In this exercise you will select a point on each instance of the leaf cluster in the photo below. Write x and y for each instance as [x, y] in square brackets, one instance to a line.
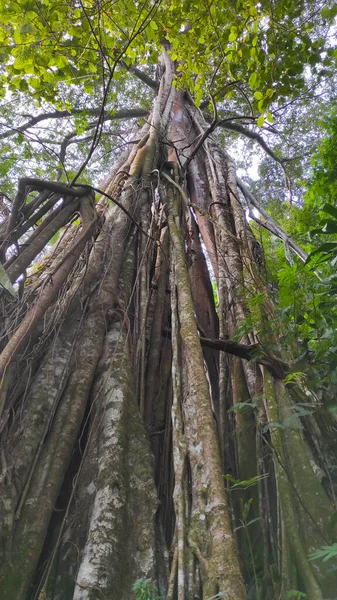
[45, 45]
[306, 294]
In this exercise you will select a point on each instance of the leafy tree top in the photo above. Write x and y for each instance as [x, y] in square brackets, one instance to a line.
[45, 44]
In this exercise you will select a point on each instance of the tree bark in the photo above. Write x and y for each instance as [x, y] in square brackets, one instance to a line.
[128, 455]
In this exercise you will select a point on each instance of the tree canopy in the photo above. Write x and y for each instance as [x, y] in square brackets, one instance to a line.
[240, 60]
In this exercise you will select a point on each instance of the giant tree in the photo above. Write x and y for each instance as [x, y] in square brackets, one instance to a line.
[150, 429]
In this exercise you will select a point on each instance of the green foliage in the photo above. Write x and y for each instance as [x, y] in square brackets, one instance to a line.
[243, 484]
[295, 377]
[60, 56]
[306, 294]
[292, 420]
[215, 293]
[328, 250]
[144, 589]
[243, 327]
[322, 189]
[325, 553]
[307, 320]
[295, 595]
[46, 45]
[244, 406]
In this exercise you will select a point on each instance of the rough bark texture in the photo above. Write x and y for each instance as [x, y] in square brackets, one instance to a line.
[131, 448]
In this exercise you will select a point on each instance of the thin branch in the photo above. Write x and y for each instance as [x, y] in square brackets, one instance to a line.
[98, 130]
[259, 139]
[217, 93]
[269, 223]
[97, 40]
[226, 124]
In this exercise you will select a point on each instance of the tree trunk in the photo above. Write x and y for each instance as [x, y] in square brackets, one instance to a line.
[124, 437]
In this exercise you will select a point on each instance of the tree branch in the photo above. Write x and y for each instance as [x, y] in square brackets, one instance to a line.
[141, 76]
[228, 124]
[278, 367]
[26, 183]
[61, 114]
[253, 136]
[269, 223]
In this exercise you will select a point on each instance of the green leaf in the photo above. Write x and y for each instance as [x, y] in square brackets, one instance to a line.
[245, 483]
[60, 61]
[27, 28]
[330, 226]
[153, 25]
[325, 553]
[19, 63]
[254, 80]
[325, 13]
[258, 95]
[330, 210]
[260, 121]
[260, 105]
[294, 377]
[241, 407]
[6, 283]
[326, 247]
[29, 69]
